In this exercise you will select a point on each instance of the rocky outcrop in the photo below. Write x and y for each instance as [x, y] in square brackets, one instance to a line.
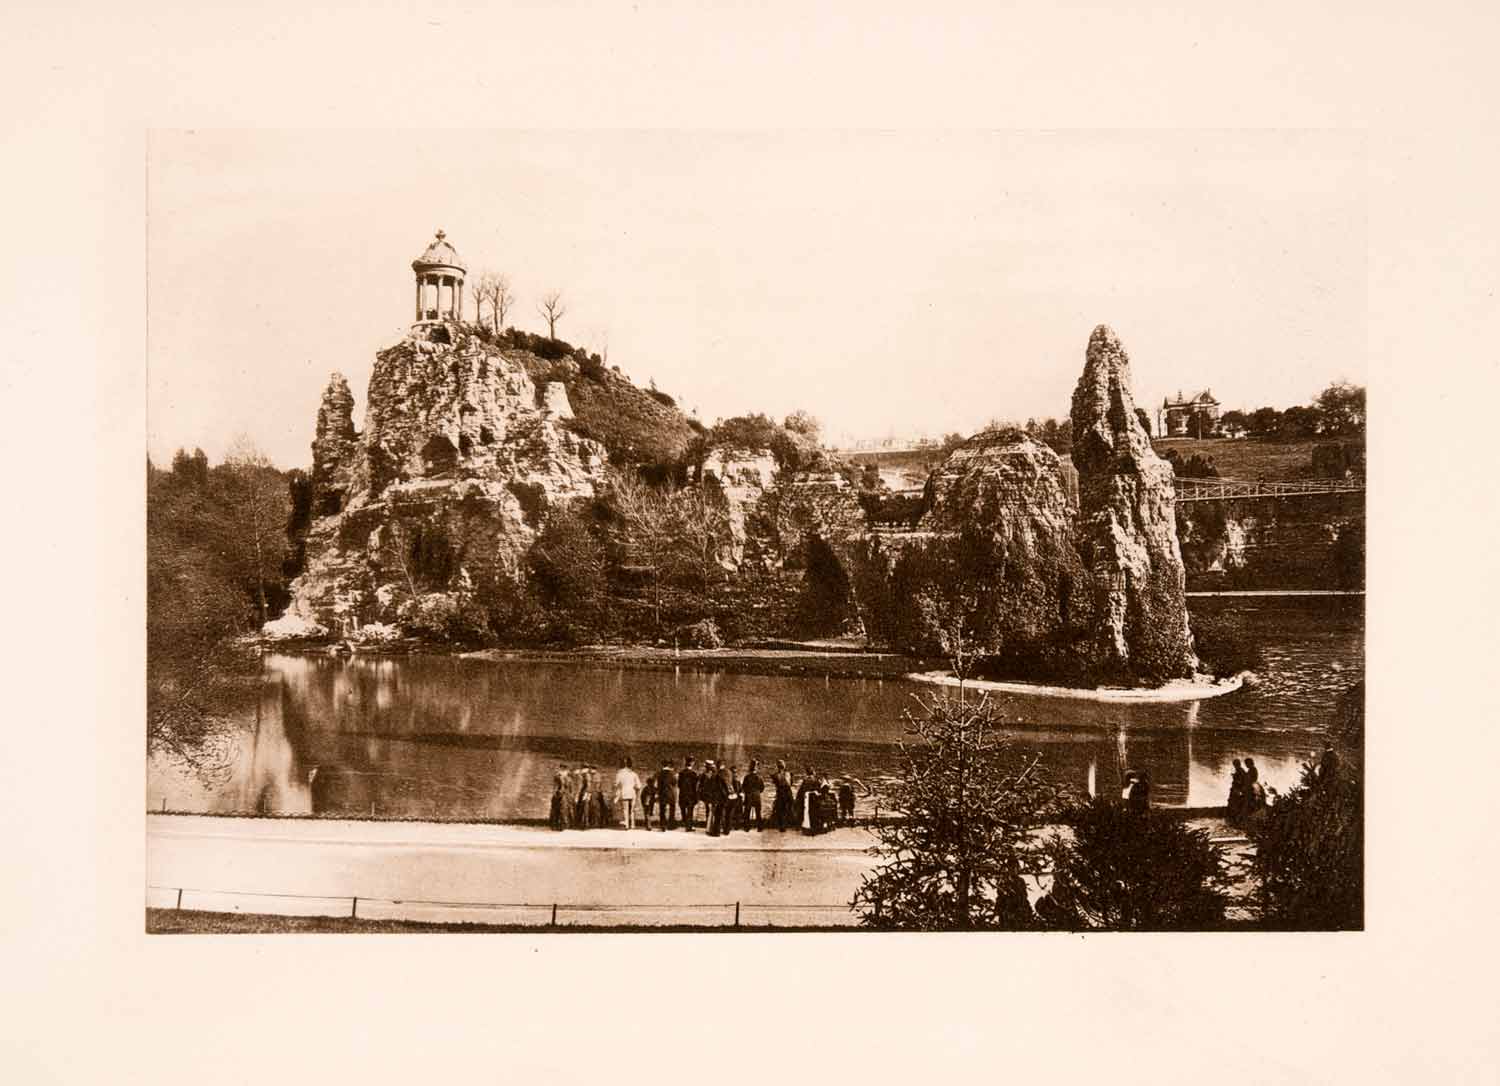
[791, 532]
[333, 448]
[459, 461]
[992, 569]
[1127, 534]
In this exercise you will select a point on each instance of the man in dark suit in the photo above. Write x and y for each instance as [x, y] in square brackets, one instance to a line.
[709, 789]
[687, 792]
[752, 788]
[666, 796]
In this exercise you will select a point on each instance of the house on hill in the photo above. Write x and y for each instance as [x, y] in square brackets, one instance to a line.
[1196, 417]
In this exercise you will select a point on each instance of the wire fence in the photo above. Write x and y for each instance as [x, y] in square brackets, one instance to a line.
[733, 914]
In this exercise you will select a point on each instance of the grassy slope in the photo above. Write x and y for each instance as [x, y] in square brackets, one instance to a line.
[634, 426]
[1246, 458]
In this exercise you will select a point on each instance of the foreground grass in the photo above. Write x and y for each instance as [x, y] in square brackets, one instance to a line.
[192, 922]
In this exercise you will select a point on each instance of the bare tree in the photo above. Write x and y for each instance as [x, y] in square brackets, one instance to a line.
[261, 505]
[501, 300]
[647, 532]
[493, 288]
[552, 310]
[702, 517]
[482, 287]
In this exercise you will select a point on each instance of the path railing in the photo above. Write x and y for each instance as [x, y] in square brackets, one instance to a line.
[555, 914]
[1214, 490]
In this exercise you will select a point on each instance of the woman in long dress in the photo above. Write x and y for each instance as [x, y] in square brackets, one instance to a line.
[555, 813]
[582, 806]
[602, 814]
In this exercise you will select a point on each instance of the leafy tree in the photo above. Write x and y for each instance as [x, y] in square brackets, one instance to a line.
[1309, 844]
[951, 442]
[1265, 421]
[967, 804]
[1299, 423]
[1120, 870]
[569, 568]
[191, 469]
[804, 425]
[259, 503]
[1235, 420]
[1342, 408]
[197, 604]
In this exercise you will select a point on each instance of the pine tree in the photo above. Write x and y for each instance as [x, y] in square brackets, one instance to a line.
[967, 806]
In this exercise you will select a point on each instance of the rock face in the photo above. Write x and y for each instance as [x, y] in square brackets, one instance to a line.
[460, 459]
[992, 569]
[334, 447]
[1127, 533]
[791, 534]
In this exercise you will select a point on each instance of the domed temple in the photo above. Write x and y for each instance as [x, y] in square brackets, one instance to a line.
[440, 282]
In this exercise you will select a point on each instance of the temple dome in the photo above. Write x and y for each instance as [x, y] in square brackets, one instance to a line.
[440, 254]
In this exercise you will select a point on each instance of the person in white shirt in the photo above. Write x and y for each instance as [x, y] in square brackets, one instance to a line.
[627, 785]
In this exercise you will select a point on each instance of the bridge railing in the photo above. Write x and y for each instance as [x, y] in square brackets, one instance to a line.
[1195, 489]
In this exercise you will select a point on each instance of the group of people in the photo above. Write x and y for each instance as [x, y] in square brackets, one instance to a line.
[1246, 794]
[674, 796]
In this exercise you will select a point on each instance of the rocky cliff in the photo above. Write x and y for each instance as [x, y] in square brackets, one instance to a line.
[460, 458]
[334, 447]
[992, 569]
[1127, 533]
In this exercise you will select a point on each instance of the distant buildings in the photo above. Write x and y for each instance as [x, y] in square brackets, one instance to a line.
[1196, 417]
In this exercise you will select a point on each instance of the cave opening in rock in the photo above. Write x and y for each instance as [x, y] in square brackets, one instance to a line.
[438, 456]
[826, 605]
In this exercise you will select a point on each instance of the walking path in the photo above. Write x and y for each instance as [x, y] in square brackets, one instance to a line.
[515, 875]
[501, 874]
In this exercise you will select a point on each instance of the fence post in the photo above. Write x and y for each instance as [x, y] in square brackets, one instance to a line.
[554, 916]
[736, 914]
[179, 899]
[353, 908]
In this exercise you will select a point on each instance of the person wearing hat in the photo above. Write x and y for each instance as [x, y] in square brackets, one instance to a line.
[715, 794]
[752, 787]
[781, 805]
[687, 792]
[666, 795]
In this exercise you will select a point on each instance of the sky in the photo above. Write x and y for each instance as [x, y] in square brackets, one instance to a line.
[891, 283]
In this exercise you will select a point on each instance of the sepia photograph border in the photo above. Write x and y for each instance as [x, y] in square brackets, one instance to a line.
[97, 1000]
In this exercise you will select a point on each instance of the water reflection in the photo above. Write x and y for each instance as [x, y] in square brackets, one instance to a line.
[430, 737]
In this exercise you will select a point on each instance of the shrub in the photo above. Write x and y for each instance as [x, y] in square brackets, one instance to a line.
[1309, 844]
[1122, 870]
[1225, 645]
[703, 634]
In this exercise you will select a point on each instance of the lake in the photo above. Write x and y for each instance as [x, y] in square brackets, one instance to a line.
[452, 738]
